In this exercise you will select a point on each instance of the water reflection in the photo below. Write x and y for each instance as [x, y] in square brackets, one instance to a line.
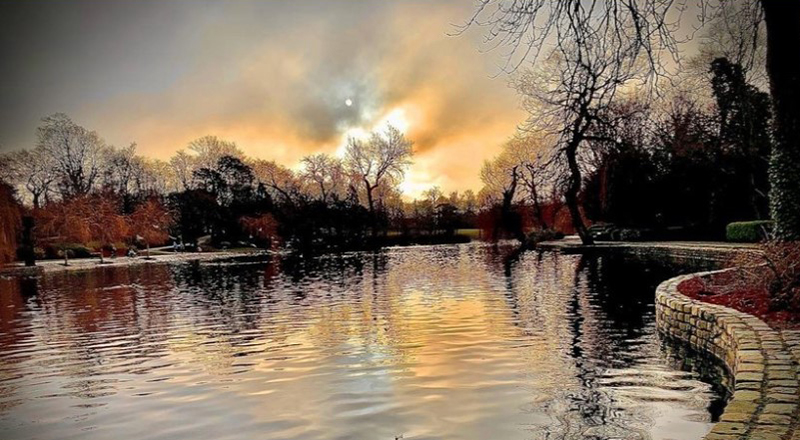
[425, 342]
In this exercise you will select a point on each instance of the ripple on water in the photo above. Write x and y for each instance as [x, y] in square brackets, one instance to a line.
[424, 342]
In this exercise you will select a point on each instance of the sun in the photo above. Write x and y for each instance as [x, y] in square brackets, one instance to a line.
[348, 102]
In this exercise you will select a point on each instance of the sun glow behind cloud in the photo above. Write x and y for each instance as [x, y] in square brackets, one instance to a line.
[276, 78]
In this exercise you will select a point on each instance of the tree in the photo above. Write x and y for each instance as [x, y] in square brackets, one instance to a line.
[121, 170]
[63, 222]
[230, 183]
[183, 166]
[262, 229]
[280, 181]
[744, 119]
[534, 171]
[77, 153]
[150, 223]
[10, 218]
[569, 98]
[632, 37]
[468, 202]
[208, 150]
[196, 212]
[104, 219]
[34, 170]
[783, 53]
[156, 177]
[382, 158]
[326, 175]
[500, 176]
[623, 174]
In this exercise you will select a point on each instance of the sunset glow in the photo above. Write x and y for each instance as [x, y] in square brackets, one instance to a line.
[280, 91]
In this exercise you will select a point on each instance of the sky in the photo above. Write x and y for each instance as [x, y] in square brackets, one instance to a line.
[283, 79]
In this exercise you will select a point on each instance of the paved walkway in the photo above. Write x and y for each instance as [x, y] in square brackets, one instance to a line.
[574, 242]
[720, 252]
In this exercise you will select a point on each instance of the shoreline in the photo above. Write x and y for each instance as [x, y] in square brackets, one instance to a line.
[84, 264]
[763, 362]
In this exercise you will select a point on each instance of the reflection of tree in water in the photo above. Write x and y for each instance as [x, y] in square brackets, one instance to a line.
[606, 306]
[78, 316]
[227, 294]
[593, 407]
[449, 322]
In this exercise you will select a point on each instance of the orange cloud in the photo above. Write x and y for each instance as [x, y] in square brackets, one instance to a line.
[283, 97]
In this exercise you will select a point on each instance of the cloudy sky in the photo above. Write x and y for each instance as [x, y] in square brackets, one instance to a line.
[273, 76]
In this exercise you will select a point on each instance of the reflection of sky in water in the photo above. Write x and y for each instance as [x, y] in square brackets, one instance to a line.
[427, 342]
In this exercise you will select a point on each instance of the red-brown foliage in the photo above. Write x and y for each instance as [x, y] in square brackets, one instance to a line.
[63, 222]
[150, 221]
[732, 289]
[263, 228]
[81, 219]
[10, 215]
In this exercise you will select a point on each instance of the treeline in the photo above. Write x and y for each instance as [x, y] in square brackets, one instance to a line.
[80, 192]
[681, 167]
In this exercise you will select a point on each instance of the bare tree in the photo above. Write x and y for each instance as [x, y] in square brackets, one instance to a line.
[183, 166]
[280, 181]
[76, 152]
[326, 174]
[156, 177]
[500, 176]
[208, 150]
[738, 34]
[381, 158]
[605, 45]
[122, 165]
[568, 101]
[468, 202]
[35, 171]
[536, 172]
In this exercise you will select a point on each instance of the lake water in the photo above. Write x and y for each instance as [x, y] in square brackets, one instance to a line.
[441, 342]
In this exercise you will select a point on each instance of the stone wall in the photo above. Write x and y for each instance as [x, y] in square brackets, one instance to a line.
[762, 362]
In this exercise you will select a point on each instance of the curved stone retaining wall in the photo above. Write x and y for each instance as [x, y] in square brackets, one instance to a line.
[763, 363]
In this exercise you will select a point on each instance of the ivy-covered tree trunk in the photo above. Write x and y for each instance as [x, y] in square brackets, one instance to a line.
[783, 67]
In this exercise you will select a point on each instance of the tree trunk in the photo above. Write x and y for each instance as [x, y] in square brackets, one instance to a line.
[66, 256]
[537, 207]
[371, 204]
[27, 240]
[782, 19]
[571, 195]
[508, 217]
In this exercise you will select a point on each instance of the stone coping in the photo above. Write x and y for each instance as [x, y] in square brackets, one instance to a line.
[763, 362]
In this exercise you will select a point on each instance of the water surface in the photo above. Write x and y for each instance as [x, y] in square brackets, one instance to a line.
[441, 342]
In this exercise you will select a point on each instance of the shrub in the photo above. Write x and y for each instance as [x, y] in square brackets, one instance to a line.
[783, 265]
[776, 268]
[75, 250]
[748, 232]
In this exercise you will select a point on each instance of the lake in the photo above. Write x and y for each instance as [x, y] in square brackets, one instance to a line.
[434, 342]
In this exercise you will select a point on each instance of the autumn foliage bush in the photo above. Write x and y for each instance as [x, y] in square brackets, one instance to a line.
[97, 219]
[263, 229]
[775, 268]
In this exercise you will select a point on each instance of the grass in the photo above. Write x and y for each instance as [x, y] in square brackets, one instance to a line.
[474, 234]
